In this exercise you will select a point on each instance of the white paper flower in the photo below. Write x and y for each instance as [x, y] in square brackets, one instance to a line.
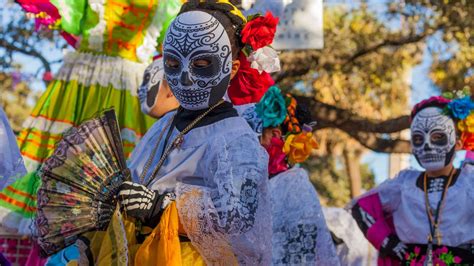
[265, 59]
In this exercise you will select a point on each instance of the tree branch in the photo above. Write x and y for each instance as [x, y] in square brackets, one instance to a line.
[386, 43]
[378, 144]
[365, 130]
[31, 52]
[296, 64]
[331, 116]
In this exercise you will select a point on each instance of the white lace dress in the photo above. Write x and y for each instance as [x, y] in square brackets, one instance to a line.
[300, 234]
[220, 178]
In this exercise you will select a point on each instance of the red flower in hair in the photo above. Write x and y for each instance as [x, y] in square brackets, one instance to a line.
[248, 86]
[277, 161]
[260, 31]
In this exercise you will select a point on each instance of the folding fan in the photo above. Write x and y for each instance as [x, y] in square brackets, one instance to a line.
[80, 183]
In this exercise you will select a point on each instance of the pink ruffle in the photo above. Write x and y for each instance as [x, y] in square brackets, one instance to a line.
[52, 16]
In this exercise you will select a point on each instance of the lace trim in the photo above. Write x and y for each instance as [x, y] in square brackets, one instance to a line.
[46, 125]
[96, 34]
[120, 239]
[191, 206]
[297, 243]
[89, 69]
[58, 127]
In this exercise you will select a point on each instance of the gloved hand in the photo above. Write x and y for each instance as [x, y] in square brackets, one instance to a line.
[392, 246]
[142, 203]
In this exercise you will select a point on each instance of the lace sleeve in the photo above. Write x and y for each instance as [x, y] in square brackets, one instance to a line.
[228, 219]
[300, 233]
[12, 166]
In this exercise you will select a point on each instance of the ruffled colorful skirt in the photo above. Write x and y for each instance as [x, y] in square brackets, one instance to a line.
[85, 85]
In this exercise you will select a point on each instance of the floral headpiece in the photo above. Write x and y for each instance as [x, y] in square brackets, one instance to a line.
[257, 60]
[276, 110]
[457, 105]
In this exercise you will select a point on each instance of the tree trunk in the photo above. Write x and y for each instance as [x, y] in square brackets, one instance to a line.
[353, 171]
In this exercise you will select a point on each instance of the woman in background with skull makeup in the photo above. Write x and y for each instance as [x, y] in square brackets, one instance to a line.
[300, 234]
[203, 162]
[426, 218]
[156, 97]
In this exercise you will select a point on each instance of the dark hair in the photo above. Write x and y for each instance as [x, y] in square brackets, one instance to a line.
[232, 23]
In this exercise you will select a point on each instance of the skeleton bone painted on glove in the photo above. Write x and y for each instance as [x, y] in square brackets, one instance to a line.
[152, 80]
[195, 37]
[433, 138]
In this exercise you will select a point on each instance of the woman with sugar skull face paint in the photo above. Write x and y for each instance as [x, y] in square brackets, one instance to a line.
[203, 161]
[425, 217]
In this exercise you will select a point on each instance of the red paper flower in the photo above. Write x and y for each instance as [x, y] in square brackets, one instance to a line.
[277, 162]
[468, 141]
[248, 86]
[260, 31]
[47, 76]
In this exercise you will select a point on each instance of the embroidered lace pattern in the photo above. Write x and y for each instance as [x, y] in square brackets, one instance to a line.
[229, 219]
[300, 234]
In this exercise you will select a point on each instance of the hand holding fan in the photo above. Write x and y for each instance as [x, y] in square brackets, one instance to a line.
[80, 182]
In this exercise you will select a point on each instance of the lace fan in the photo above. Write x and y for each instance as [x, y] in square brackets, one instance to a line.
[80, 182]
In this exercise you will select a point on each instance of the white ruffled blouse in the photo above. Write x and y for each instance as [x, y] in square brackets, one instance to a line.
[220, 178]
[401, 197]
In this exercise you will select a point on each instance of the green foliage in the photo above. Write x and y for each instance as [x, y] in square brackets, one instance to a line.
[331, 179]
[18, 38]
[16, 100]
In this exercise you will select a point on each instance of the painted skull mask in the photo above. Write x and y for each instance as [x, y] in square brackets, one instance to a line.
[198, 60]
[433, 137]
[148, 91]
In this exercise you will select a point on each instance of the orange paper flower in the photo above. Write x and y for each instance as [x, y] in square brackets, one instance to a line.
[468, 141]
[298, 147]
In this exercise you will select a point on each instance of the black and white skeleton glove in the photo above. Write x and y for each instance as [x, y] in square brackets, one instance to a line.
[392, 246]
[142, 203]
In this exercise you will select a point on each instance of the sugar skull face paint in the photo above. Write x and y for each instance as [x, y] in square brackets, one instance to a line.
[433, 137]
[198, 60]
[148, 91]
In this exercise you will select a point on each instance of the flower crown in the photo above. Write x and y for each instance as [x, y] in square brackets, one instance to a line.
[257, 60]
[275, 110]
[457, 105]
